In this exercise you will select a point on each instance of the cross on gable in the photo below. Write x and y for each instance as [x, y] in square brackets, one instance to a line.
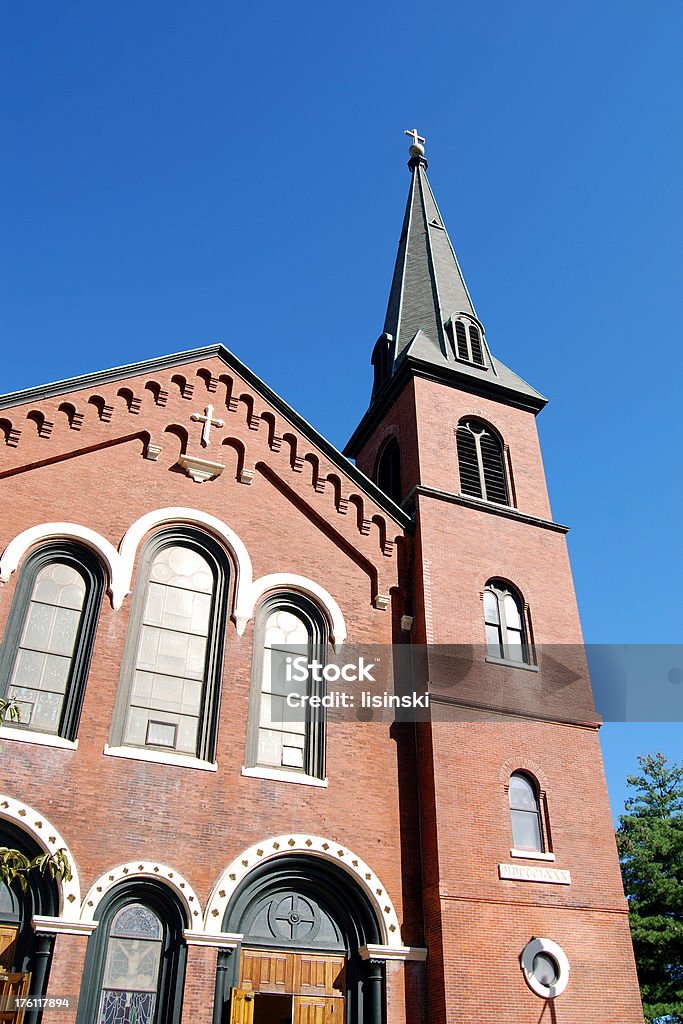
[208, 421]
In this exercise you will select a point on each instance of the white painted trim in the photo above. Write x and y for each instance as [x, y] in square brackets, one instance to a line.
[532, 854]
[280, 775]
[144, 869]
[301, 584]
[43, 739]
[373, 952]
[530, 951]
[315, 846]
[120, 564]
[164, 516]
[161, 757]
[107, 553]
[216, 939]
[49, 840]
[57, 926]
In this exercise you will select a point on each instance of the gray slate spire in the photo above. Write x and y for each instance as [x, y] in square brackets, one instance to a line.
[428, 291]
[428, 285]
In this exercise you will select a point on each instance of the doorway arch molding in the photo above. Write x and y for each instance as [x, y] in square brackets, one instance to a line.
[38, 828]
[314, 846]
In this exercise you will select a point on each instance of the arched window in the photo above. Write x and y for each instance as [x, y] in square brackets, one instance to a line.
[388, 470]
[482, 467]
[290, 635]
[504, 618]
[135, 961]
[525, 813]
[171, 670]
[49, 638]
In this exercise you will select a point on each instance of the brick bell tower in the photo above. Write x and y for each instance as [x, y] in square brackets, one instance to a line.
[524, 913]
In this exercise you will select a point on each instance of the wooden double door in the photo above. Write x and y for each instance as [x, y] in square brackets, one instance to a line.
[12, 983]
[283, 987]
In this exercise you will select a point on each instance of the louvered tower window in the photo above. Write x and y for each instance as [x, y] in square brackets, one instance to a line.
[481, 461]
[466, 342]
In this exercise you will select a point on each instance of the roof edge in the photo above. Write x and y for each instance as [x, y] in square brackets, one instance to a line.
[442, 375]
[252, 379]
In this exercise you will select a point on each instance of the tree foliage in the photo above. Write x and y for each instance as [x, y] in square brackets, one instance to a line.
[650, 843]
[15, 866]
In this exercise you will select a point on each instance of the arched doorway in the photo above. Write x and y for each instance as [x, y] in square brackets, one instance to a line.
[24, 954]
[303, 922]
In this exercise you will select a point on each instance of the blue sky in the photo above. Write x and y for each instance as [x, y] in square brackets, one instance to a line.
[177, 175]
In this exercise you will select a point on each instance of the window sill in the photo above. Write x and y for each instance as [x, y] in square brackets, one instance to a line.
[280, 775]
[511, 664]
[43, 739]
[161, 757]
[532, 854]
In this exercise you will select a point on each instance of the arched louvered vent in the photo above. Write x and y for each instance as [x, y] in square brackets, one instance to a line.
[388, 470]
[470, 474]
[465, 340]
[480, 458]
[461, 339]
[475, 345]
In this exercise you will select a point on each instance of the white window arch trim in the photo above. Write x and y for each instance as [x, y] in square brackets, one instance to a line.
[120, 564]
[34, 535]
[527, 957]
[283, 581]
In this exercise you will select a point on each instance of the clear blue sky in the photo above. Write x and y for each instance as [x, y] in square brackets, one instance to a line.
[177, 175]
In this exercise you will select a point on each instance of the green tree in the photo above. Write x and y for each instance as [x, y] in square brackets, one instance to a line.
[650, 843]
[14, 866]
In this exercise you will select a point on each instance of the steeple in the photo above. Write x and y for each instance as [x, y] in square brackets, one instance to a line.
[431, 324]
[427, 285]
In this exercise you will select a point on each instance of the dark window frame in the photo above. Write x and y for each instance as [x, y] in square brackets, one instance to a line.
[538, 813]
[501, 589]
[315, 743]
[162, 901]
[92, 571]
[479, 478]
[222, 569]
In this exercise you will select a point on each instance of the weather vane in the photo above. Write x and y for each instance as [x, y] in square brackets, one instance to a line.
[417, 149]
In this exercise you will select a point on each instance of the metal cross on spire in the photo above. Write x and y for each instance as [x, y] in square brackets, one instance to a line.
[417, 139]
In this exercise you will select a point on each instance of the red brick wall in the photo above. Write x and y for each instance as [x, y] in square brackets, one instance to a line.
[476, 924]
[300, 515]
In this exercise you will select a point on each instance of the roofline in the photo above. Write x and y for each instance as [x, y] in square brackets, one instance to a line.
[190, 355]
[443, 375]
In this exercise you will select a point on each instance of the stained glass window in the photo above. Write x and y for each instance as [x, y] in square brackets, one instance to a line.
[290, 637]
[43, 665]
[169, 673]
[131, 970]
[281, 741]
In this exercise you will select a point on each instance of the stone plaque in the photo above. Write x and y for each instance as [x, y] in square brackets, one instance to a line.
[524, 873]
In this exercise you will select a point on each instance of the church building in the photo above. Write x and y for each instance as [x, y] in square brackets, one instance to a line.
[170, 531]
